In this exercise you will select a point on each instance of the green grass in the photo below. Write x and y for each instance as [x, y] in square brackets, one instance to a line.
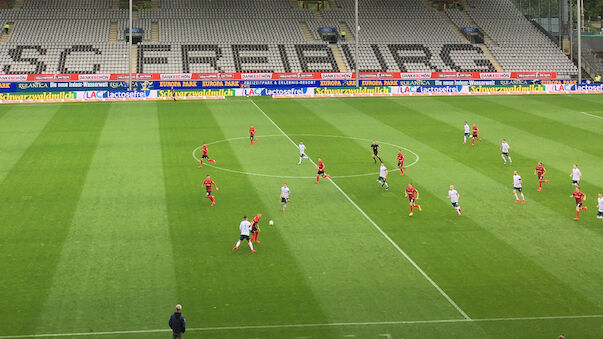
[105, 227]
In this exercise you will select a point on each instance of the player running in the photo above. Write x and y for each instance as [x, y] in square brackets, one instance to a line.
[255, 228]
[517, 183]
[454, 196]
[540, 171]
[467, 130]
[245, 228]
[504, 148]
[252, 135]
[383, 177]
[376, 148]
[600, 203]
[285, 192]
[302, 152]
[208, 183]
[412, 195]
[580, 197]
[400, 158]
[205, 155]
[475, 137]
[321, 170]
[576, 175]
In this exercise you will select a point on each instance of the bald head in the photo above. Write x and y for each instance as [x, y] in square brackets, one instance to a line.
[178, 308]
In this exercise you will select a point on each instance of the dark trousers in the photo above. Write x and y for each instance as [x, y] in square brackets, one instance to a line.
[176, 335]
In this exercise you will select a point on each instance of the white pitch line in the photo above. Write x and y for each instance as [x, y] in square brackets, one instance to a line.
[412, 262]
[592, 115]
[260, 327]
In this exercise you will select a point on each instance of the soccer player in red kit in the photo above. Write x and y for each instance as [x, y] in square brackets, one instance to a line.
[580, 197]
[400, 158]
[321, 170]
[252, 135]
[255, 228]
[208, 183]
[475, 130]
[540, 171]
[412, 195]
[205, 155]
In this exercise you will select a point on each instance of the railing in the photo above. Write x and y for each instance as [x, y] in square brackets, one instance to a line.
[543, 30]
[592, 62]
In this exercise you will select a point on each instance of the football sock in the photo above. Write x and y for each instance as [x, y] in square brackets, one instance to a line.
[212, 160]
[510, 161]
[458, 210]
[522, 197]
[473, 142]
[465, 138]
[386, 185]
[504, 160]
[379, 159]
[284, 207]
[583, 208]
[577, 214]
[250, 245]
[317, 178]
[201, 163]
[375, 160]
[516, 198]
[211, 197]
[540, 183]
[238, 243]
[411, 206]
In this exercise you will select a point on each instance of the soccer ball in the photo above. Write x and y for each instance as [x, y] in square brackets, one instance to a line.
[270, 222]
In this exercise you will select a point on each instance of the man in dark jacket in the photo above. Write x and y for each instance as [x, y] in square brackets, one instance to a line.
[177, 322]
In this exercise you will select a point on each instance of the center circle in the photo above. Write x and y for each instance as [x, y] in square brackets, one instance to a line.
[300, 135]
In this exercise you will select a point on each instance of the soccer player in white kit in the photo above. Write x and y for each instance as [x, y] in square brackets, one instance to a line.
[245, 228]
[576, 175]
[600, 203]
[285, 191]
[517, 182]
[467, 131]
[454, 199]
[383, 177]
[504, 148]
[302, 152]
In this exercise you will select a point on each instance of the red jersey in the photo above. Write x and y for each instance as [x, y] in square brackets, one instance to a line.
[208, 183]
[252, 131]
[321, 166]
[579, 196]
[400, 157]
[204, 149]
[411, 191]
[255, 220]
[475, 129]
[540, 170]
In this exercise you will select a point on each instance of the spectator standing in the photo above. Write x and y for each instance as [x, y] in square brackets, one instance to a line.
[177, 323]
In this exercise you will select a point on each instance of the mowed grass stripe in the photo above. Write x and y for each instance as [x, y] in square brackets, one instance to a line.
[19, 127]
[522, 120]
[219, 287]
[38, 200]
[378, 273]
[117, 256]
[548, 230]
[525, 156]
[566, 109]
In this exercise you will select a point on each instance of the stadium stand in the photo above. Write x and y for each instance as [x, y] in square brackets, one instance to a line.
[62, 36]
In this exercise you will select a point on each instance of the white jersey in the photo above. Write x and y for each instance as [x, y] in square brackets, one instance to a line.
[505, 147]
[454, 196]
[600, 200]
[245, 227]
[302, 148]
[467, 129]
[576, 174]
[517, 180]
[382, 172]
[285, 192]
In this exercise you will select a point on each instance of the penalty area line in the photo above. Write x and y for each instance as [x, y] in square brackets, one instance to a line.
[412, 262]
[592, 115]
[341, 324]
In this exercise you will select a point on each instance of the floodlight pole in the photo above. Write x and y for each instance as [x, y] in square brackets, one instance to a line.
[130, 50]
[356, 40]
[579, 2]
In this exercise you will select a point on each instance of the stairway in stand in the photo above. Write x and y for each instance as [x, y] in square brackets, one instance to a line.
[338, 58]
[306, 30]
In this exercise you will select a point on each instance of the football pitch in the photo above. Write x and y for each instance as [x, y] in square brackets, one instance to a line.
[105, 226]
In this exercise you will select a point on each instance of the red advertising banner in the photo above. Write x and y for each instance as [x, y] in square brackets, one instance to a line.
[281, 76]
